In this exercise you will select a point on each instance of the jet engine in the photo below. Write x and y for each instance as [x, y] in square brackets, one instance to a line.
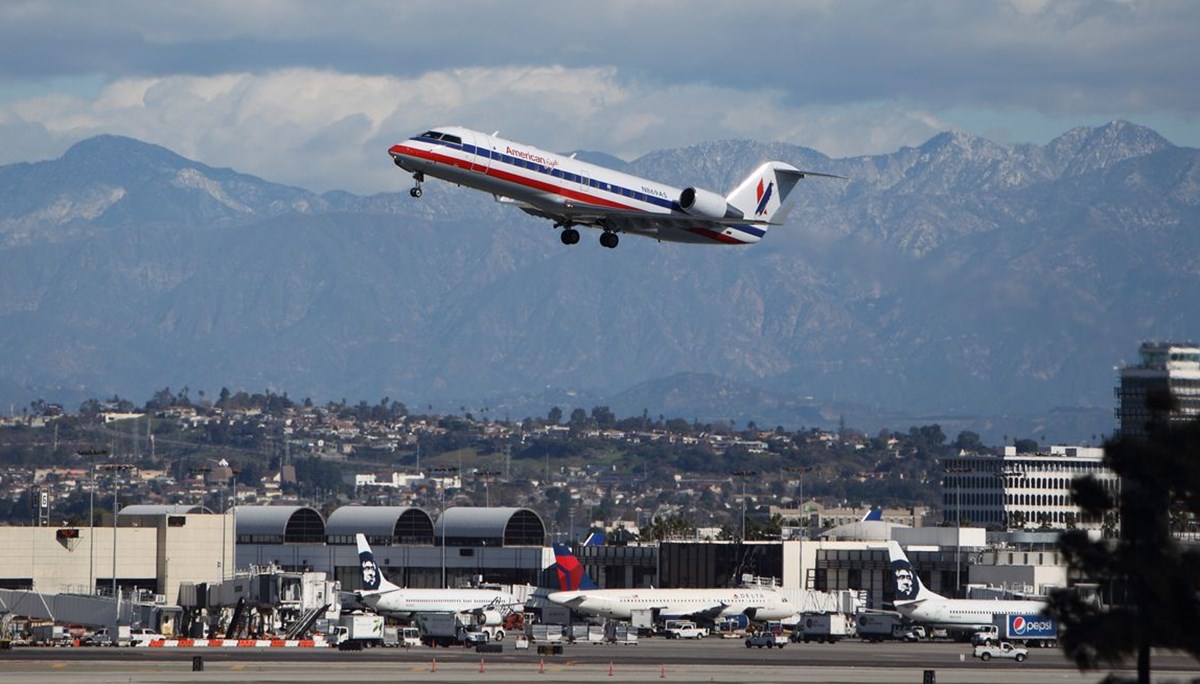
[707, 204]
[489, 617]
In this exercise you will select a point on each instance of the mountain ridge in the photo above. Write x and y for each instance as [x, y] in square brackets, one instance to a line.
[956, 278]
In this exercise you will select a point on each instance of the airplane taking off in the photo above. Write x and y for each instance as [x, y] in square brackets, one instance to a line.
[574, 193]
[915, 601]
[386, 598]
[581, 594]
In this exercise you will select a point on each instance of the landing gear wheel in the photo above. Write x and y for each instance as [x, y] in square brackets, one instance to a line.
[569, 236]
[415, 192]
[419, 178]
[609, 240]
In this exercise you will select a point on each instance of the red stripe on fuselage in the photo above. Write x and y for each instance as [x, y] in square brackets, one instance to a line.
[500, 174]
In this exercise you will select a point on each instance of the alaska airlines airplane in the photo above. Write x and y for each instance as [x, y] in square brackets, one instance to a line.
[582, 594]
[386, 598]
[574, 193]
[914, 601]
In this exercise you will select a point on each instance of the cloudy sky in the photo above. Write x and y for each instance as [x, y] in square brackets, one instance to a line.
[313, 92]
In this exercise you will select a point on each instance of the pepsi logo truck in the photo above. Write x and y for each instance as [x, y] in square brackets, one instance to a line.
[1027, 629]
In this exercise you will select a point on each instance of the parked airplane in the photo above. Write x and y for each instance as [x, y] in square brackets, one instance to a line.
[574, 193]
[580, 593]
[915, 601]
[385, 598]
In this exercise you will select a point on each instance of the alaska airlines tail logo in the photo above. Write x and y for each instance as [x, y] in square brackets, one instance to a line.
[370, 571]
[907, 584]
[763, 197]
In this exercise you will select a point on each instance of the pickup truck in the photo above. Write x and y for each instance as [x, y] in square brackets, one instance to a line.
[1001, 650]
[768, 639]
[684, 629]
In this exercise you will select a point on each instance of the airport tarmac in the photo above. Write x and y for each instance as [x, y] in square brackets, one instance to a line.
[709, 660]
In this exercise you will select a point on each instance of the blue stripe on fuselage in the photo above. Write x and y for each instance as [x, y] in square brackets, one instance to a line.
[563, 175]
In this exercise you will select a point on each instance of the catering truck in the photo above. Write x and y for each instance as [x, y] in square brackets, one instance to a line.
[1019, 628]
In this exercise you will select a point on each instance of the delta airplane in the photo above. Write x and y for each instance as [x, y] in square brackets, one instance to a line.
[916, 602]
[385, 598]
[582, 595]
[574, 193]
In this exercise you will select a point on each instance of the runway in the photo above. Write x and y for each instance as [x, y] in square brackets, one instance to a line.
[709, 660]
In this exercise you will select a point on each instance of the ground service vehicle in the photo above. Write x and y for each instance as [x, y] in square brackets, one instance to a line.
[877, 627]
[49, 635]
[142, 636]
[823, 628]
[763, 638]
[357, 631]
[1023, 629]
[1001, 650]
[684, 629]
[105, 637]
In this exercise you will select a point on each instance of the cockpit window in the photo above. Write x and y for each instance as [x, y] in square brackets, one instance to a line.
[431, 134]
[452, 139]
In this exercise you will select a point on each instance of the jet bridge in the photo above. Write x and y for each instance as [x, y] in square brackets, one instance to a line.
[88, 610]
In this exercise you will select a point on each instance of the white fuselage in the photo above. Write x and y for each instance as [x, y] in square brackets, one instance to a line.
[408, 602]
[551, 183]
[620, 603]
[964, 613]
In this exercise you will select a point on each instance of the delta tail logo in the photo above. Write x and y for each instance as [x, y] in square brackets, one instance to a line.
[764, 196]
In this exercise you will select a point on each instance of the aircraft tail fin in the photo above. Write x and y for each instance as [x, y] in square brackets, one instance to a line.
[906, 585]
[761, 195]
[567, 573]
[873, 513]
[373, 581]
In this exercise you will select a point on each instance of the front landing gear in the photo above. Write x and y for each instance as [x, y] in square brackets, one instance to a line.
[416, 191]
[609, 240]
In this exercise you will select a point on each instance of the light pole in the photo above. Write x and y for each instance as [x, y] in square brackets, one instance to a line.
[744, 474]
[958, 470]
[91, 455]
[487, 475]
[801, 470]
[233, 524]
[443, 470]
[115, 469]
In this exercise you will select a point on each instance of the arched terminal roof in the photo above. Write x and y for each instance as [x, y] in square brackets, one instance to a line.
[470, 526]
[862, 530]
[163, 509]
[383, 525]
[279, 525]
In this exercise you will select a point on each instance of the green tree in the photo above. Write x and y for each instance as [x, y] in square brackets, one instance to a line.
[1152, 580]
[1026, 446]
[968, 441]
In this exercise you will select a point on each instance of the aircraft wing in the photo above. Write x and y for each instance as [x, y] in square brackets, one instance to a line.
[586, 213]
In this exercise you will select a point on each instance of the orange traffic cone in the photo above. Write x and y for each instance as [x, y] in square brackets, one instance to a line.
[542, 666]
[610, 668]
[434, 668]
[662, 672]
[481, 667]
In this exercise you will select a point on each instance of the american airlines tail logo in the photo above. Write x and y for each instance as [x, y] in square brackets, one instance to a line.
[763, 197]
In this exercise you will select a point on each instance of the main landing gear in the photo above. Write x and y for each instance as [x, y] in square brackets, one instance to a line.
[570, 236]
[419, 178]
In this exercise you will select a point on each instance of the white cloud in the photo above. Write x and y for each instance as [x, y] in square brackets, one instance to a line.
[328, 130]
